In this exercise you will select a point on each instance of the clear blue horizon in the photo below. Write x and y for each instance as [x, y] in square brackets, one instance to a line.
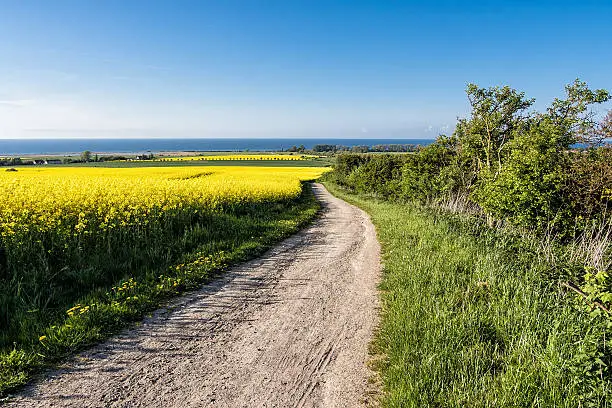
[279, 69]
[20, 147]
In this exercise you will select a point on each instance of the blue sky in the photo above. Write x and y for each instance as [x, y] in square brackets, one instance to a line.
[283, 68]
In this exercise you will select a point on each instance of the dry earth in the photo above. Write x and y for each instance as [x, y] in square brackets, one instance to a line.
[289, 329]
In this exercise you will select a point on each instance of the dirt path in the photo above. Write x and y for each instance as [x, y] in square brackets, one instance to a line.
[290, 329]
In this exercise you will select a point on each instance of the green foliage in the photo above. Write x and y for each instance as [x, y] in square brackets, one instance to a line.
[517, 166]
[377, 174]
[588, 186]
[529, 187]
[528, 190]
[497, 115]
[380, 174]
[597, 286]
[345, 164]
[572, 115]
[86, 156]
[436, 172]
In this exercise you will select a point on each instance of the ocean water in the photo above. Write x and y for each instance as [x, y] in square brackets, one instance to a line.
[68, 146]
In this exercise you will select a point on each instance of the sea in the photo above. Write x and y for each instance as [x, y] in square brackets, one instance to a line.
[71, 146]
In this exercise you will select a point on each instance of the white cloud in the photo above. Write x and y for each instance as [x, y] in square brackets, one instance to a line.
[17, 102]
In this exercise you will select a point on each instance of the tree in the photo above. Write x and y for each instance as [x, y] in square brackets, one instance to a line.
[324, 148]
[528, 189]
[604, 128]
[359, 149]
[532, 188]
[497, 113]
[573, 116]
[86, 156]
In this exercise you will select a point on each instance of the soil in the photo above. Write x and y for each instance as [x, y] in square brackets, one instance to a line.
[289, 329]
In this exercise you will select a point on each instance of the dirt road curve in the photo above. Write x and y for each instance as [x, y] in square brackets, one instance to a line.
[289, 329]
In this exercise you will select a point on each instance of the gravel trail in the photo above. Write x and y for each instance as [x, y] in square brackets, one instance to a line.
[289, 329]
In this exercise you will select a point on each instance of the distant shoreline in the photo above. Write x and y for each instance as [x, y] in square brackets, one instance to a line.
[67, 147]
[161, 154]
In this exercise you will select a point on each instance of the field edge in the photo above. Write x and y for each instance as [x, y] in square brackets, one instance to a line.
[91, 323]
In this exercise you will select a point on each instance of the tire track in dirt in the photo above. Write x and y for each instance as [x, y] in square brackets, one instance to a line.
[289, 329]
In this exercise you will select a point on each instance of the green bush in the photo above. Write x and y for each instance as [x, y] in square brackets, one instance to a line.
[588, 186]
[380, 174]
[436, 172]
[528, 189]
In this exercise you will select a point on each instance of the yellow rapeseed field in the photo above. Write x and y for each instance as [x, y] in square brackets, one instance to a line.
[83, 201]
[238, 157]
[85, 249]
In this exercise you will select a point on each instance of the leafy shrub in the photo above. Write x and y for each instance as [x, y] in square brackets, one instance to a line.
[528, 190]
[345, 164]
[436, 172]
[589, 182]
[380, 174]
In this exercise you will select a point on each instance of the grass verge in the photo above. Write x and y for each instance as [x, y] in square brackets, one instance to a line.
[227, 239]
[473, 317]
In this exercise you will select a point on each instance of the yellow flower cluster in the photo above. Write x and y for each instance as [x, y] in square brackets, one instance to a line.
[82, 201]
[126, 286]
[78, 310]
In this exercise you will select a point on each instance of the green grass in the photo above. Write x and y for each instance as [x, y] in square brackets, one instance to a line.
[80, 319]
[472, 317]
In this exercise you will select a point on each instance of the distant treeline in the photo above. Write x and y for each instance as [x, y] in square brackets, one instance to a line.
[85, 157]
[11, 161]
[388, 148]
[511, 164]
